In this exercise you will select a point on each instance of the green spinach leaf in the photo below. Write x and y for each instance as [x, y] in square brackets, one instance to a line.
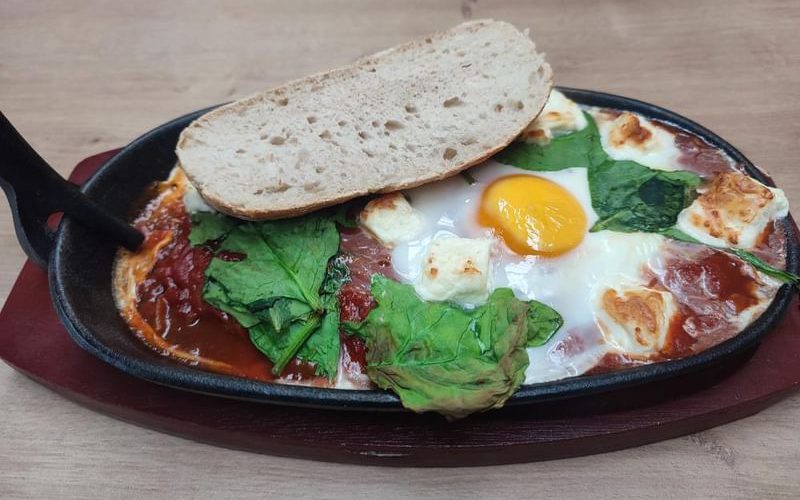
[323, 346]
[210, 226]
[543, 322]
[280, 346]
[277, 291]
[284, 259]
[629, 197]
[677, 234]
[344, 213]
[215, 295]
[577, 149]
[468, 178]
[259, 277]
[440, 357]
[337, 275]
[778, 274]
[303, 248]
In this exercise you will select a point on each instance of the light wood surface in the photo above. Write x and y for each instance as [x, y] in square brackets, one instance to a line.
[81, 77]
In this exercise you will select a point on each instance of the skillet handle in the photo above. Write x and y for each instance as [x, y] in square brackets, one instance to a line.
[35, 191]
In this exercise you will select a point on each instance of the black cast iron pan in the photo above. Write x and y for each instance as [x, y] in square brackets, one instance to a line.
[79, 257]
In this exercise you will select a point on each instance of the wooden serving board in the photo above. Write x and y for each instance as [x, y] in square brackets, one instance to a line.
[33, 341]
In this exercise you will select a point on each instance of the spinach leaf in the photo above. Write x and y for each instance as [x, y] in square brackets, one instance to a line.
[677, 234]
[468, 178]
[277, 292]
[281, 312]
[215, 295]
[782, 276]
[303, 248]
[323, 346]
[343, 214]
[280, 346]
[629, 197]
[293, 330]
[543, 322]
[210, 226]
[337, 275]
[577, 149]
[440, 357]
[259, 277]
[284, 259]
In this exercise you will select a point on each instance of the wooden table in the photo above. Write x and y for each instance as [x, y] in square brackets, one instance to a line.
[82, 77]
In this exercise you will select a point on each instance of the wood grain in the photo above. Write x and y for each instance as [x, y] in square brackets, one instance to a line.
[81, 77]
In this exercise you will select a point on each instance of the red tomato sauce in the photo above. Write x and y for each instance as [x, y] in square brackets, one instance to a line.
[171, 301]
[364, 257]
[696, 154]
[716, 276]
[711, 289]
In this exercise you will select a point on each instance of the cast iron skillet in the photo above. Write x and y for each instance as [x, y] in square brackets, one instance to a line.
[80, 254]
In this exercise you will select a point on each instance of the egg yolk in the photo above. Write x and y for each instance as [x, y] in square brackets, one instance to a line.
[533, 215]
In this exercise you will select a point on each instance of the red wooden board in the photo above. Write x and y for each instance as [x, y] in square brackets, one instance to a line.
[33, 341]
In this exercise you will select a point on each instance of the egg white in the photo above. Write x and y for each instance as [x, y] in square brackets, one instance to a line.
[569, 283]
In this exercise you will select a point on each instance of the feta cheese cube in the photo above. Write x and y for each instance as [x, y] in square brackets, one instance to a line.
[391, 219]
[733, 211]
[635, 320]
[456, 269]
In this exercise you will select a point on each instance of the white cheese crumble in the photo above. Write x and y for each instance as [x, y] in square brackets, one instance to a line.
[560, 116]
[456, 269]
[391, 219]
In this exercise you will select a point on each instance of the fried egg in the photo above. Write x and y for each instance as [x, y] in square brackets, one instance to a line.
[565, 266]
[535, 228]
[533, 215]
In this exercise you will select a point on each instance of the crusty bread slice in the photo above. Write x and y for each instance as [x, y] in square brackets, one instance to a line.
[403, 117]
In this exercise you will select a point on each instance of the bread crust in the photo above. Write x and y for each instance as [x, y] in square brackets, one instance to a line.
[250, 213]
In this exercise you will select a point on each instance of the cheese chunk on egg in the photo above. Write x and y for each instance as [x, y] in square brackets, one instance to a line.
[632, 137]
[391, 219]
[732, 211]
[456, 269]
[635, 320]
[560, 116]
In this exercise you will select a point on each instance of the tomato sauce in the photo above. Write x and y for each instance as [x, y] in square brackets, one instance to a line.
[700, 156]
[771, 246]
[170, 300]
[716, 276]
[364, 257]
[696, 154]
[613, 361]
[712, 288]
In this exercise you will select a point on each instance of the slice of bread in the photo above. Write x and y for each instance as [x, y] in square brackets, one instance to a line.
[403, 117]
